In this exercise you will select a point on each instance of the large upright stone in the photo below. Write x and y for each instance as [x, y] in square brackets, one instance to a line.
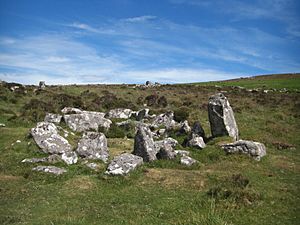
[47, 138]
[144, 144]
[221, 117]
[93, 145]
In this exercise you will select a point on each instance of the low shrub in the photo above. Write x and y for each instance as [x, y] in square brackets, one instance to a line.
[181, 114]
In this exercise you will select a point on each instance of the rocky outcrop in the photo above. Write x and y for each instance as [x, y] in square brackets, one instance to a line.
[50, 169]
[119, 113]
[144, 144]
[221, 117]
[93, 145]
[52, 118]
[123, 164]
[87, 120]
[187, 161]
[47, 138]
[254, 149]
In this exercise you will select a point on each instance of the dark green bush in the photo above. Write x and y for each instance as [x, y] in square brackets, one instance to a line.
[181, 114]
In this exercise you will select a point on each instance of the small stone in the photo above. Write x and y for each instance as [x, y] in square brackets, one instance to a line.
[188, 161]
[50, 169]
[69, 157]
[182, 152]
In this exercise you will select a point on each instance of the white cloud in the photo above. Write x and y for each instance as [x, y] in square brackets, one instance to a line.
[139, 19]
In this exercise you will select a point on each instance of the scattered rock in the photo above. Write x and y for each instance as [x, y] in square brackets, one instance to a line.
[144, 144]
[93, 166]
[93, 145]
[87, 121]
[198, 130]
[2, 125]
[184, 127]
[196, 142]
[221, 117]
[284, 146]
[18, 141]
[166, 119]
[182, 152]
[254, 149]
[123, 164]
[35, 160]
[169, 141]
[47, 138]
[142, 114]
[52, 118]
[119, 113]
[166, 152]
[188, 161]
[69, 157]
[50, 169]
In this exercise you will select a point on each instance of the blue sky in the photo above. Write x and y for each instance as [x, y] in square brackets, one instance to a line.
[131, 41]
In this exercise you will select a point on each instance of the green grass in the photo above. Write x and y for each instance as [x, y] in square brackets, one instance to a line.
[160, 192]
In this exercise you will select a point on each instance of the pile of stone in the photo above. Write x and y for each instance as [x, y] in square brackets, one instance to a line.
[93, 144]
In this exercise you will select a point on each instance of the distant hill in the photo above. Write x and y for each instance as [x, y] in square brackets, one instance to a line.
[289, 81]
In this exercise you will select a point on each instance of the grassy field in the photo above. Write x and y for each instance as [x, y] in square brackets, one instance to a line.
[290, 82]
[222, 189]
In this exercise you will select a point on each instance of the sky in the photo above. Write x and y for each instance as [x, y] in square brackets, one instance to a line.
[132, 41]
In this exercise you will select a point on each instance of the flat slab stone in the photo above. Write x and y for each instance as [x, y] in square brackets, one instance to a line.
[123, 164]
[50, 169]
[254, 149]
[46, 136]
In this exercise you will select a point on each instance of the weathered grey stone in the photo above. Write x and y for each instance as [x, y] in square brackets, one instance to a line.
[35, 160]
[254, 149]
[92, 166]
[93, 145]
[169, 141]
[221, 117]
[52, 118]
[2, 125]
[166, 119]
[47, 138]
[144, 144]
[50, 159]
[142, 114]
[188, 161]
[184, 127]
[119, 113]
[87, 121]
[70, 110]
[166, 152]
[182, 152]
[198, 130]
[196, 142]
[69, 157]
[123, 164]
[50, 169]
